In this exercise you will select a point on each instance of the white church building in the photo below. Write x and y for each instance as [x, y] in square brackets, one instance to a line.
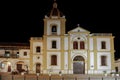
[76, 52]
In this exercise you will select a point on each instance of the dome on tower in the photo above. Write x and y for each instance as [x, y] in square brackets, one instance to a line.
[55, 11]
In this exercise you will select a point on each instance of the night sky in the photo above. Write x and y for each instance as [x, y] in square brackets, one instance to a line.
[21, 20]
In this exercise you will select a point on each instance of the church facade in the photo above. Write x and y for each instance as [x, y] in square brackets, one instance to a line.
[77, 52]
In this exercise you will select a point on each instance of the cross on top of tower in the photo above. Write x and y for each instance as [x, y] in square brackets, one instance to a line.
[78, 25]
[55, 4]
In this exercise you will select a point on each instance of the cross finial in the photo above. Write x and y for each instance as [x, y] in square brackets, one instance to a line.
[78, 25]
[55, 4]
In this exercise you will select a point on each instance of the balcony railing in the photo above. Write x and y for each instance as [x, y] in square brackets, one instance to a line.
[9, 56]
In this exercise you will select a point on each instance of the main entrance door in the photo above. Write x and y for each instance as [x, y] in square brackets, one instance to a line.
[78, 65]
[38, 68]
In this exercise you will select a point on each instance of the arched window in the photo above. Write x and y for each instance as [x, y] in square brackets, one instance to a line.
[54, 28]
[75, 45]
[82, 45]
[2, 65]
[78, 58]
[53, 60]
[38, 49]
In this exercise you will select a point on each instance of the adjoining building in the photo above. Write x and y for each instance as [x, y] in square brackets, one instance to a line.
[117, 65]
[13, 56]
[76, 52]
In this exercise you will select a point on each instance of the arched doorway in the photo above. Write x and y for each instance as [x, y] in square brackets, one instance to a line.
[38, 67]
[19, 67]
[78, 65]
[6, 66]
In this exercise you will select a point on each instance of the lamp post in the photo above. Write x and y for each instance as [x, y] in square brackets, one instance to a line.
[66, 68]
[92, 67]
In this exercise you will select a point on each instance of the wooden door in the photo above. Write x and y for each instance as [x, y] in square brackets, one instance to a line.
[9, 68]
[78, 67]
[19, 67]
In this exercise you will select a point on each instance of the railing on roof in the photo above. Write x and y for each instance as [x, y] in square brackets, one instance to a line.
[36, 38]
[102, 34]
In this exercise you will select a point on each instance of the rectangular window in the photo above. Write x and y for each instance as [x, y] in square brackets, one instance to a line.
[38, 49]
[54, 44]
[75, 45]
[82, 45]
[103, 45]
[53, 60]
[7, 54]
[25, 53]
[103, 60]
[116, 69]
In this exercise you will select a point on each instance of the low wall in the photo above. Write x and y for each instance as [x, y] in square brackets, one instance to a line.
[56, 77]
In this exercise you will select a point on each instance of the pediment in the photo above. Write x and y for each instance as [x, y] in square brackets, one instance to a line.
[79, 29]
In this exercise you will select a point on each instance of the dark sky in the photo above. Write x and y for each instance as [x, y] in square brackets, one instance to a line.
[21, 20]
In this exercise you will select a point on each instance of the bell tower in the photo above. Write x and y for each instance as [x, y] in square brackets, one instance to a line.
[54, 31]
[54, 22]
